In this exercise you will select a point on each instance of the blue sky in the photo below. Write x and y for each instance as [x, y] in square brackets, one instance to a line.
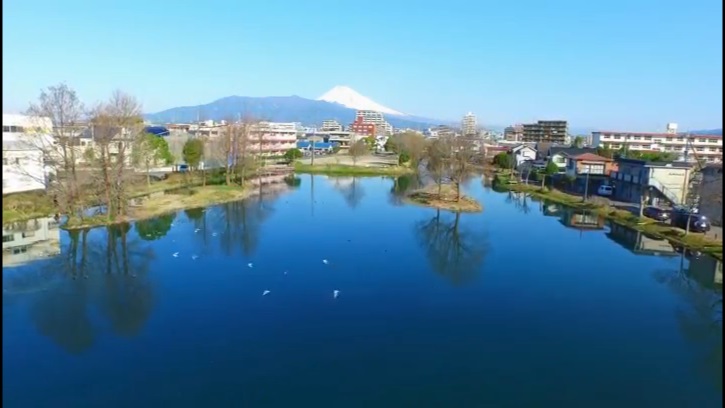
[617, 64]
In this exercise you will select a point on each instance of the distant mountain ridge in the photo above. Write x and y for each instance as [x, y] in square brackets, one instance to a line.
[714, 132]
[279, 109]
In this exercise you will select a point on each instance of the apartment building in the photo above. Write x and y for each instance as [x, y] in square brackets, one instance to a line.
[273, 138]
[554, 131]
[469, 125]
[25, 139]
[331, 126]
[514, 133]
[661, 183]
[382, 128]
[687, 147]
[361, 128]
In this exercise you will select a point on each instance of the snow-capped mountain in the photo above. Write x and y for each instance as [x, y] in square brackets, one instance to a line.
[350, 98]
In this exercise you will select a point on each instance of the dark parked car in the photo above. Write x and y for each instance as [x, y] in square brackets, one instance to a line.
[658, 214]
[698, 223]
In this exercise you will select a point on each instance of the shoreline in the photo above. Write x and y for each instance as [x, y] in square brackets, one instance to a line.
[692, 241]
[429, 197]
[166, 203]
[351, 170]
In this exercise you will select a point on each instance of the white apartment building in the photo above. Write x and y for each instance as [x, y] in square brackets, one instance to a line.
[29, 240]
[469, 125]
[24, 139]
[704, 147]
[273, 138]
[331, 126]
[382, 127]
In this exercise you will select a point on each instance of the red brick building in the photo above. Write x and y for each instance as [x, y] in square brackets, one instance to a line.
[367, 129]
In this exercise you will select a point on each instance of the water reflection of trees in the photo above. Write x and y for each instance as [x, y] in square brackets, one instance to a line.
[402, 186]
[700, 317]
[155, 228]
[351, 189]
[521, 201]
[453, 251]
[104, 268]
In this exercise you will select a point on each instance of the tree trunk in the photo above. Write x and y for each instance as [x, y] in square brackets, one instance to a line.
[148, 174]
[106, 182]
[543, 180]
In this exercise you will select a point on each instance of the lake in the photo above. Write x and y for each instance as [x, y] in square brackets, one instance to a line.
[333, 292]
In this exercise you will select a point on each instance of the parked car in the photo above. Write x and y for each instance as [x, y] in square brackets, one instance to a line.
[605, 190]
[658, 214]
[698, 223]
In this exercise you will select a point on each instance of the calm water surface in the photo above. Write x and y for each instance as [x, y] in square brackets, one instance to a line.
[525, 304]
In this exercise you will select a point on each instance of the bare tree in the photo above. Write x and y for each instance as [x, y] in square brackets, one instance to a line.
[438, 159]
[462, 157]
[357, 150]
[116, 124]
[413, 144]
[58, 143]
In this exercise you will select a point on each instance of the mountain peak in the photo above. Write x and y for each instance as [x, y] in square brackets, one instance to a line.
[348, 97]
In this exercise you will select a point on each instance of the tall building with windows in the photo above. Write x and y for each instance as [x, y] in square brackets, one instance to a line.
[514, 133]
[331, 126]
[469, 125]
[382, 127]
[552, 131]
[688, 147]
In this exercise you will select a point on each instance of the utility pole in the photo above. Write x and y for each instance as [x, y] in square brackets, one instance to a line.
[586, 184]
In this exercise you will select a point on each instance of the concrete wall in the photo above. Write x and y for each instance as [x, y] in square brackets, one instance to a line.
[22, 171]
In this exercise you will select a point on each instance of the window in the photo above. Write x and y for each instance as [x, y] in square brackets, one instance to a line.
[20, 250]
[8, 238]
[28, 234]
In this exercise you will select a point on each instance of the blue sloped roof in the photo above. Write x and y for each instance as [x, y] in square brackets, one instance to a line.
[156, 130]
[303, 144]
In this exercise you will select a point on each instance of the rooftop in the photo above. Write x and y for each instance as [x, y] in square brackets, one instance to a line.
[591, 157]
[681, 165]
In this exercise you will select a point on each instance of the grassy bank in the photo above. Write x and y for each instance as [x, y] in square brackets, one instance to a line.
[166, 202]
[38, 204]
[348, 170]
[446, 200]
[692, 241]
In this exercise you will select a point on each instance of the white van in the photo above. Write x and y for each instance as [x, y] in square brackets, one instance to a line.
[605, 191]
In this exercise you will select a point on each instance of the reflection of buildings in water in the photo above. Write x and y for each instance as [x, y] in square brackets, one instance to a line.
[270, 184]
[706, 270]
[551, 210]
[26, 241]
[640, 243]
[582, 220]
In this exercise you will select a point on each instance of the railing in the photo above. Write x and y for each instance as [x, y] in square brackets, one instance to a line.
[670, 195]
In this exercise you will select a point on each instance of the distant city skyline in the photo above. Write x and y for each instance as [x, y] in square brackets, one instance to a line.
[617, 65]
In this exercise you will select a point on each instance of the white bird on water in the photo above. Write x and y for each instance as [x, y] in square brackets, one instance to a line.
[197, 230]
[213, 234]
[335, 294]
[194, 257]
[285, 272]
[251, 265]
[325, 261]
[265, 293]
[175, 254]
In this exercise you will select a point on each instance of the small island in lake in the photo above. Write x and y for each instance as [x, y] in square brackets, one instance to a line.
[444, 197]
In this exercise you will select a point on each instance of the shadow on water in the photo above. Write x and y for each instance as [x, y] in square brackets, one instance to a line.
[453, 250]
[103, 269]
